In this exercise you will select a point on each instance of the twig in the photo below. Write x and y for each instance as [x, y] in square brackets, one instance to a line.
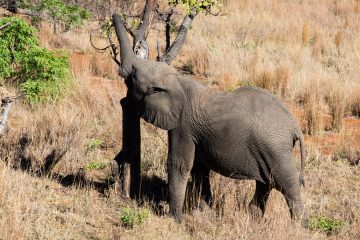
[101, 50]
[5, 25]
[113, 48]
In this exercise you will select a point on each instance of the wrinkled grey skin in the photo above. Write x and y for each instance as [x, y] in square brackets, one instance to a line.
[244, 134]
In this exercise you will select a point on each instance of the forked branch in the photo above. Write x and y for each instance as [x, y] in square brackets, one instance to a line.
[177, 44]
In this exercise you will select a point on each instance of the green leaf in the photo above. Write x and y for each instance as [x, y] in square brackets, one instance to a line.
[197, 5]
[326, 224]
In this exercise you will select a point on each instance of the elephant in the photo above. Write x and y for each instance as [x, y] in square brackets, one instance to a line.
[244, 134]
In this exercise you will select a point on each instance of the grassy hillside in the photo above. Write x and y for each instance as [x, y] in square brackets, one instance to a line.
[307, 52]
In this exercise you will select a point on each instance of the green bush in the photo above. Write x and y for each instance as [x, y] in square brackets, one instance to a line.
[46, 74]
[96, 165]
[40, 74]
[130, 217]
[326, 224]
[68, 16]
[93, 144]
[15, 40]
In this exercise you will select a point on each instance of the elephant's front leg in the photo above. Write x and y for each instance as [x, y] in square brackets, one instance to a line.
[180, 162]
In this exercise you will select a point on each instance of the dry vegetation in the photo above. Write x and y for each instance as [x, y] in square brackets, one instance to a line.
[306, 52]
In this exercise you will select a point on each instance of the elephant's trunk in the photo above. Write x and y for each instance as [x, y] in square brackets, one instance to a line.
[126, 54]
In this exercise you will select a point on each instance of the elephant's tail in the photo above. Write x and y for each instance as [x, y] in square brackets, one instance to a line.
[302, 153]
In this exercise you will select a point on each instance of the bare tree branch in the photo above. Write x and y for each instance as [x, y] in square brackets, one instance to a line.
[141, 33]
[176, 46]
[112, 46]
[166, 17]
[102, 50]
[114, 51]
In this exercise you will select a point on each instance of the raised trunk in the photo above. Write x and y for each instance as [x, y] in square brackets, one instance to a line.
[126, 54]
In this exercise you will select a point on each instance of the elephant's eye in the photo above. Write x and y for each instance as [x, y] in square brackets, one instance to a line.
[154, 90]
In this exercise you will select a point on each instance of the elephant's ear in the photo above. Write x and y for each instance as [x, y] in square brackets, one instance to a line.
[162, 106]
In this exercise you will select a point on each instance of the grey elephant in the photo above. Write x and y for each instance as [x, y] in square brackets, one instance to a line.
[245, 134]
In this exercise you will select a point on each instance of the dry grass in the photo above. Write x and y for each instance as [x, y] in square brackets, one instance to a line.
[274, 81]
[312, 109]
[336, 102]
[40, 208]
[306, 52]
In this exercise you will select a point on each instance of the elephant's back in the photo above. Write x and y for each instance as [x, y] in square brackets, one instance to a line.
[264, 105]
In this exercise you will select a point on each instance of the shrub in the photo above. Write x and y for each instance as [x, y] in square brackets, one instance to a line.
[336, 101]
[326, 224]
[68, 16]
[312, 112]
[274, 81]
[93, 144]
[40, 74]
[44, 74]
[15, 40]
[353, 106]
[346, 152]
[96, 165]
[131, 217]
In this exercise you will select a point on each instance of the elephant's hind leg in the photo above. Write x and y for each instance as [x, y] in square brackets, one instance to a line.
[287, 182]
[201, 182]
[293, 199]
[258, 202]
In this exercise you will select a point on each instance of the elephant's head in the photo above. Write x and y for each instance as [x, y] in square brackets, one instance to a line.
[154, 86]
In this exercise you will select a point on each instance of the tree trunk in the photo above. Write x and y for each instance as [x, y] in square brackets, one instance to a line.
[129, 157]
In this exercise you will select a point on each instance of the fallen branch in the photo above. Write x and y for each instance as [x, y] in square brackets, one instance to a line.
[5, 25]
[5, 105]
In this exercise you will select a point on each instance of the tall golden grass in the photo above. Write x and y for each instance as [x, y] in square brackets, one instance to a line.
[307, 52]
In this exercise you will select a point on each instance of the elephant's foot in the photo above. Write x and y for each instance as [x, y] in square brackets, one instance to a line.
[178, 215]
[122, 178]
[115, 173]
[305, 222]
[298, 214]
